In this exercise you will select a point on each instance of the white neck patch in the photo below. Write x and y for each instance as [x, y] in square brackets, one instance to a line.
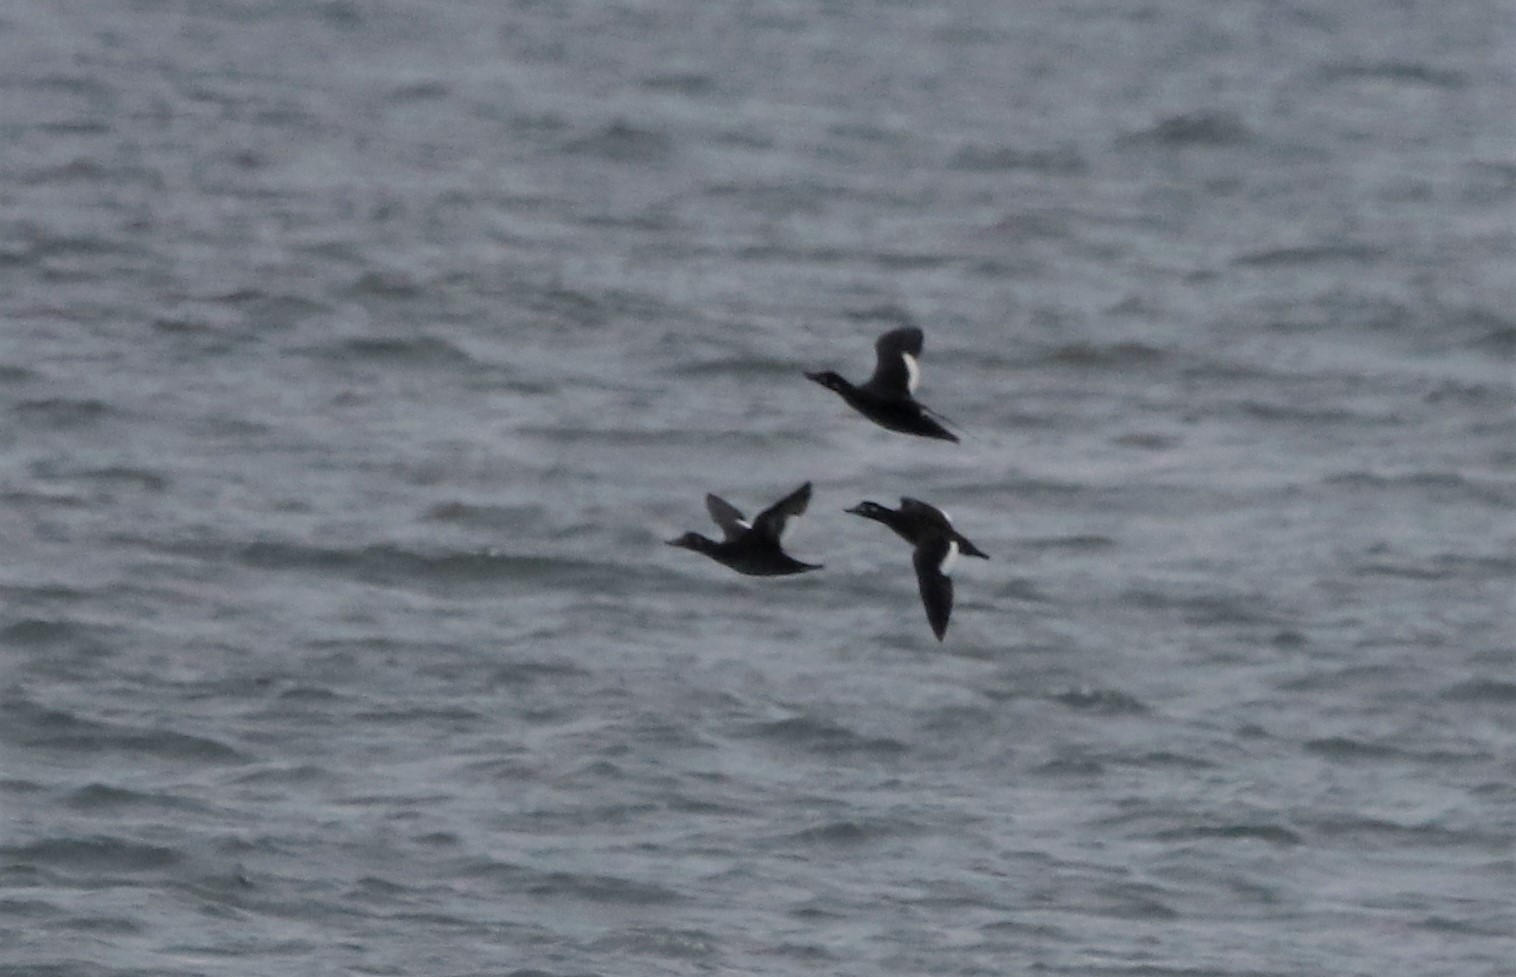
[912, 372]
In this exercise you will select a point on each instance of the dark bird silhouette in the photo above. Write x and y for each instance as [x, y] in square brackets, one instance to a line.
[752, 548]
[937, 546]
[887, 398]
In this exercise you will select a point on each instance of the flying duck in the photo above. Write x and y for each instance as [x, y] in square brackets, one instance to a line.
[886, 398]
[753, 547]
[938, 546]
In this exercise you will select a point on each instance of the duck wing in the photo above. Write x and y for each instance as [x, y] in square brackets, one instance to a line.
[897, 369]
[933, 560]
[773, 521]
[727, 516]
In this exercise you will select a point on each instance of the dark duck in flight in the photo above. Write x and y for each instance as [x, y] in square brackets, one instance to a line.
[887, 398]
[753, 547]
[937, 546]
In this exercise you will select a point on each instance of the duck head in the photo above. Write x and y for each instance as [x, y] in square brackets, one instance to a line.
[871, 510]
[830, 380]
[691, 541]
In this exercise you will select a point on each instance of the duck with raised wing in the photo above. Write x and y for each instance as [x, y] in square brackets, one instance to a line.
[937, 546]
[753, 548]
[888, 397]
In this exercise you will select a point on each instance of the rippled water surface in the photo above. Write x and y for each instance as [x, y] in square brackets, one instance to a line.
[356, 359]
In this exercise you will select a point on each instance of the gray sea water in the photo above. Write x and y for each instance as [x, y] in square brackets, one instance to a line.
[357, 358]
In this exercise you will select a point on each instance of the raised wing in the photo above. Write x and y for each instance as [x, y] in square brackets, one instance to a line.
[933, 559]
[772, 522]
[727, 516]
[898, 369]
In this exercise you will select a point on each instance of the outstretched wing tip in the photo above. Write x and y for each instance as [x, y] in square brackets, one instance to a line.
[936, 586]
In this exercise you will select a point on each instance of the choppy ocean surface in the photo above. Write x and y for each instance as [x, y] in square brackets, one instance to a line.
[356, 359]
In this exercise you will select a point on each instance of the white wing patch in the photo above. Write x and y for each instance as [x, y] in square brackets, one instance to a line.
[912, 372]
[949, 558]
